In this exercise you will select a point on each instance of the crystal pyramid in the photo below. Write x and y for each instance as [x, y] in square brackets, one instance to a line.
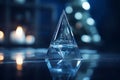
[63, 44]
[63, 53]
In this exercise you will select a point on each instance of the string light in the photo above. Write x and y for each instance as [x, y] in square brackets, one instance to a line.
[86, 38]
[86, 5]
[90, 21]
[69, 9]
[78, 15]
[96, 38]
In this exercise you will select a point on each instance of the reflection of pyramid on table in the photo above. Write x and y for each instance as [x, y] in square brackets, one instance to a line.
[63, 44]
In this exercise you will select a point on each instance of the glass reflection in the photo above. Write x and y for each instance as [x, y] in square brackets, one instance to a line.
[1, 58]
[63, 69]
[19, 61]
[30, 53]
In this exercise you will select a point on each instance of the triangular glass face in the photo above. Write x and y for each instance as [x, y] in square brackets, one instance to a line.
[63, 44]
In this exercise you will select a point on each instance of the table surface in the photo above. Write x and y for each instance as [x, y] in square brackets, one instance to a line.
[95, 65]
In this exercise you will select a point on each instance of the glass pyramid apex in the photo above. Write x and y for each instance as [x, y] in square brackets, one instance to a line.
[63, 44]
[63, 32]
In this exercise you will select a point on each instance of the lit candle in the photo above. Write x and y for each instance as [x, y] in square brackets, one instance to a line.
[1, 36]
[18, 36]
[30, 39]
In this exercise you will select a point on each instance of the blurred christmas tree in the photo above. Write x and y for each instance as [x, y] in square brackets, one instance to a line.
[82, 22]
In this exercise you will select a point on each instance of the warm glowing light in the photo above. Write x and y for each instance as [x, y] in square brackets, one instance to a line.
[18, 36]
[1, 35]
[19, 67]
[69, 9]
[19, 60]
[1, 57]
[19, 57]
[78, 15]
[30, 39]
[86, 5]
[19, 30]
[78, 25]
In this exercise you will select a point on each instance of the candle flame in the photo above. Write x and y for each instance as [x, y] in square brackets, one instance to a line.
[19, 30]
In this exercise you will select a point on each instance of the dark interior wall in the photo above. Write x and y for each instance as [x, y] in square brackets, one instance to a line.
[105, 12]
[107, 16]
